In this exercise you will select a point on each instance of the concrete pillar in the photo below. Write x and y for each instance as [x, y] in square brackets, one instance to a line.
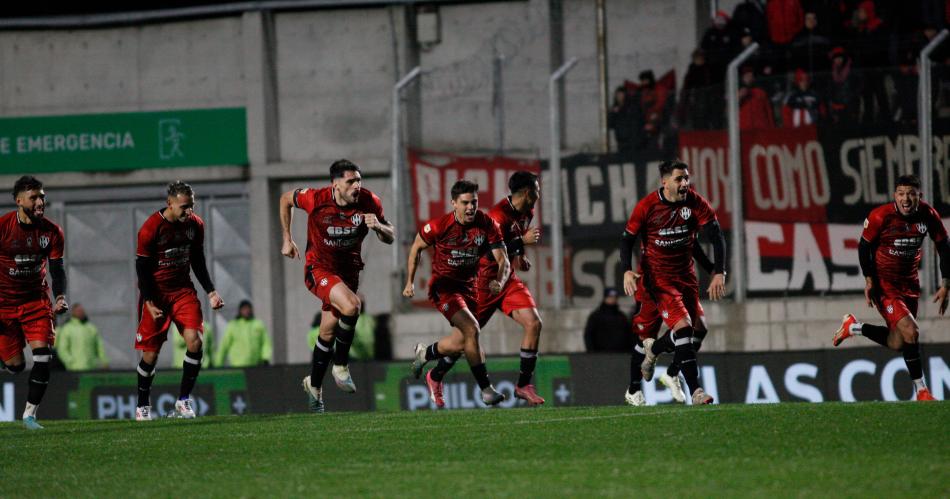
[556, 53]
[263, 147]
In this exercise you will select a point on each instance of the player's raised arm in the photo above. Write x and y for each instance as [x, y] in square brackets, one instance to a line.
[385, 231]
[717, 287]
[287, 204]
[415, 253]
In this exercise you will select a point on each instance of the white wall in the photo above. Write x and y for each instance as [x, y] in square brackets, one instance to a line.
[335, 72]
[195, 64]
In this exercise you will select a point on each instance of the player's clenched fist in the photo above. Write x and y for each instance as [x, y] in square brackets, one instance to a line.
[215, 300]
[532, 236]
[289, 249]
[154, 311]
[61, 305]
[494, 287]
[371, 221]
[409, 290]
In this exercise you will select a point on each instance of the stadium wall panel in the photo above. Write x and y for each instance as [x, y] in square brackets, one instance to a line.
[857, 374]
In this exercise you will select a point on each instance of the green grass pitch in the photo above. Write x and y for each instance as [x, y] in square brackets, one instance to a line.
[828, 450]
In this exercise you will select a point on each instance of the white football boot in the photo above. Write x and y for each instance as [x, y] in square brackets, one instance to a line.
[676, 389]
[490, 396]
[314, 396]
[635, 399]
[185, 409]
[143, 413]
[418, 360]
[649, 361]
[341, 374]
[700, 397]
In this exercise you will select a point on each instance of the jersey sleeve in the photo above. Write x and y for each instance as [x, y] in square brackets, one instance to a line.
[637, 218]
[705, 214]
[872, 227]
[377, 208]
[199, 241]
[146, 240]
[495, 238]
[430, 231]
[935, 226]
[305, 199]
[58, 244]
[498, 217]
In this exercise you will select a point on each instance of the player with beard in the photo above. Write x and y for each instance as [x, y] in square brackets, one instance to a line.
[890, 254]
[513, 214]
[339, 217]
[27, 241]
[646, 325]
[459, 239]
[171, 246]
[667, 221]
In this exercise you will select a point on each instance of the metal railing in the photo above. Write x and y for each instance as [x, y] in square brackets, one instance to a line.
[924, 115]
[737, 246]
[557, 230]
[396, 172]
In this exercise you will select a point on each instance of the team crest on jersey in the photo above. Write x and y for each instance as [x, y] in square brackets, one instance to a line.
[445, 307]
[479, 240]
[427, 229]
[356, 219]
[890, 309]
[665, 314]
[29, 242]
[138, 337]
[190, 233]
[922, 227]
[866, 222]
[685, 213]
[44, 241]
[324, 281]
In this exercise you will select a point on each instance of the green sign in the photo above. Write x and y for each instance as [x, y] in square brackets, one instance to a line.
[123, 141]
[97, 392]
[390, 391]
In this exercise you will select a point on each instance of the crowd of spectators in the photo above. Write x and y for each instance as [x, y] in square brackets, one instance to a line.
[842, 62]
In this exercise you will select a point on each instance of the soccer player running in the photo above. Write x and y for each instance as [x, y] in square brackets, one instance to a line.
[667, 221]
[890, 254]
[339, 217]
[513, 214]
[170, 246]
[27, 242]
[459, 238]
[646, 325]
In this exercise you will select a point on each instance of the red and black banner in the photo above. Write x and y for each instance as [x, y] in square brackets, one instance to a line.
[806, 193]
